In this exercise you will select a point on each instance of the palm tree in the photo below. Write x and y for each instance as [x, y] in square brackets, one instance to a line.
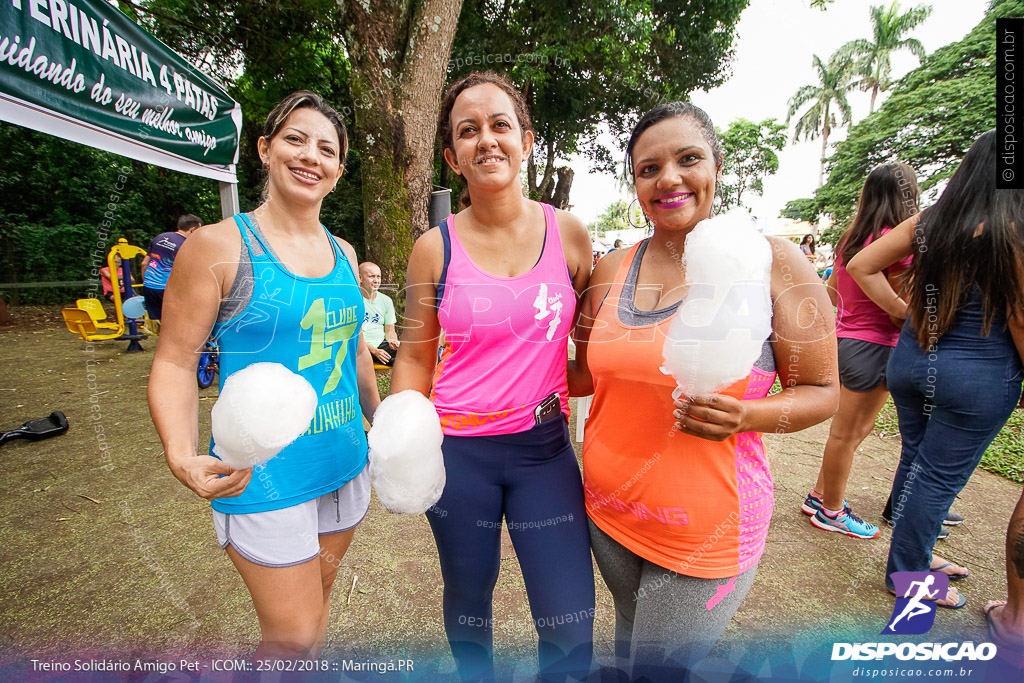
[835, 80]
[888, 27]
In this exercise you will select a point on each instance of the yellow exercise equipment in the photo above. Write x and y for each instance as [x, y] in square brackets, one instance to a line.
[88, 319]
[94, 307]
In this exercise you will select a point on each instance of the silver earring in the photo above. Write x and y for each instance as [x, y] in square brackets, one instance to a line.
[629, 215]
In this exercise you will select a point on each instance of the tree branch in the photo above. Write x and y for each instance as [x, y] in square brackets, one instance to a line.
[173, 19]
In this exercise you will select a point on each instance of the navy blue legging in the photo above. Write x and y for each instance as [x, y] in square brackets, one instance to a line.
[533, 480]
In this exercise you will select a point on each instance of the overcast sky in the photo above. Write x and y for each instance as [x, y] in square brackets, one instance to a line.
[773, 50]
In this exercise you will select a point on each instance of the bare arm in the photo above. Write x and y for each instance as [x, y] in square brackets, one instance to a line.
[833, 286]
[581, 382]
[190, 309]
[805, 357]
[868, 266]
[414, 367]
[579, 256]
[145, 262]
[391, 336]
[366, 378]
[1016, 324]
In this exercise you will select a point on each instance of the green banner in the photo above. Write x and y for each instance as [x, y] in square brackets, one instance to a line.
[83, 70]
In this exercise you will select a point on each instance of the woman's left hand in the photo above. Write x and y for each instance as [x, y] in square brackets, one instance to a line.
[714, 417]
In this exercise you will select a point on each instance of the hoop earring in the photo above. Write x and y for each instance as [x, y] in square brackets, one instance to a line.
[629, 215]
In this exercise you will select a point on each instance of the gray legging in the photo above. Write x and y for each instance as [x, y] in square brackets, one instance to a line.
[662, 621]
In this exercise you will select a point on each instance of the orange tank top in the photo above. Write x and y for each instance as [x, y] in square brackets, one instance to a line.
[697, 507]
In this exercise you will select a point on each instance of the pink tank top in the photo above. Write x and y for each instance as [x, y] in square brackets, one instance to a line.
[506, 339]
[858, 316]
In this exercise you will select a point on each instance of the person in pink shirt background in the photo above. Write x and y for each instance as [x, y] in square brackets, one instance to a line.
[867, 336]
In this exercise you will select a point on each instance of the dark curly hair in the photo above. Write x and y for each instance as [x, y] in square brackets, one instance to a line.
[444, 124]
[671, 110]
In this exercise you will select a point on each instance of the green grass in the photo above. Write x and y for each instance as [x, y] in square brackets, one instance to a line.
[1004, 457]
[383, 383]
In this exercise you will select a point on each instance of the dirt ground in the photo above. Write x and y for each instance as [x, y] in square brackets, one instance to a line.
[103, 551]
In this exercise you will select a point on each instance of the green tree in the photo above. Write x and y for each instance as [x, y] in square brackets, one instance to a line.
[263, 50]
[612, 218]
[835, 79]
[397, 50]
[582, 64]
[804, 209]
[933, 116]
[381, 62]
[888, 27]
[56, 193]
[750, 157]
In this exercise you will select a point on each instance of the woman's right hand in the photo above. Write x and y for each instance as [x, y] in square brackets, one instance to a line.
[202, 474]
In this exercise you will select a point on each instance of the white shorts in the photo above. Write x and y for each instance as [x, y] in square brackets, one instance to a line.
[290, 536]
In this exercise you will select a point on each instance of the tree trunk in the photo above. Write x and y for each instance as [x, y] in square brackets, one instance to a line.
[398, 50]
[824, 148]
[874, 93]
[546, 187]
[531, 174]
[560, 197]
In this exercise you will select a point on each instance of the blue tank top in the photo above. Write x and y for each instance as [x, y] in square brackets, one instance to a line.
[311, 326]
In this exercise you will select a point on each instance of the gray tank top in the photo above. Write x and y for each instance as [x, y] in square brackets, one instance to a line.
[243, 286]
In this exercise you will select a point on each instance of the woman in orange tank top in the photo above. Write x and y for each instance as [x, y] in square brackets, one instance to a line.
[679, 494]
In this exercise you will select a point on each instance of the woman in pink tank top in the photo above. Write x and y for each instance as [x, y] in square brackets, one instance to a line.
[679, 494]
[866, 336]
[501, 280]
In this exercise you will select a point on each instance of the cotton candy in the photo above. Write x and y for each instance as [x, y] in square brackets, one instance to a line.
[405, 453]
[717, 333]
[261, 409]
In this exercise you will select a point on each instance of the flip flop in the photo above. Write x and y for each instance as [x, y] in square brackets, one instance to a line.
[952, 577]
[993, 632]
[958, 605]
[961, 603]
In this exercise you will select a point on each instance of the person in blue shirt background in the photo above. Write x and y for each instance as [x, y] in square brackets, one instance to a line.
[156, 265]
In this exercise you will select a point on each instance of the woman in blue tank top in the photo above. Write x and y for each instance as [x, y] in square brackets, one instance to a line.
[275, 286]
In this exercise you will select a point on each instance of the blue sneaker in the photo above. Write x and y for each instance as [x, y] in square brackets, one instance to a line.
[812, 505]
[845, 523]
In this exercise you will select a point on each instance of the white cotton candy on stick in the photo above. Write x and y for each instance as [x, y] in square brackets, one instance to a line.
[717, 333]
[261, 409]
[405, 453]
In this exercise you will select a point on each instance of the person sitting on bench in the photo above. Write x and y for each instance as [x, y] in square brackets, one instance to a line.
[379, 323]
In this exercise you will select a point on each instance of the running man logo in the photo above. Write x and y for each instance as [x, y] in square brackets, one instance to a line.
[542, 304]
[916, 593]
